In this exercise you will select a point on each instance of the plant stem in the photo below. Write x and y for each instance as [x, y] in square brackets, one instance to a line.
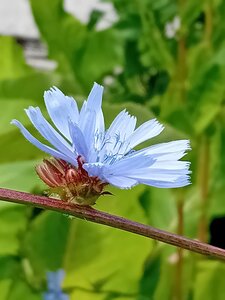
[179, 264]
[90, 214]
[204, 160]
[208, 22]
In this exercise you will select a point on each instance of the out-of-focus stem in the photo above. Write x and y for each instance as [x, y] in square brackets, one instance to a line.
[204, 152]
[182, 77]
[204, 186]
[182, 67]
[208, 22]
[90, 214]
[179, 265]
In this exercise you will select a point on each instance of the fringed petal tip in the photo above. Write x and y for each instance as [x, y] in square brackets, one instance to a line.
[184, 145]
[13, 122]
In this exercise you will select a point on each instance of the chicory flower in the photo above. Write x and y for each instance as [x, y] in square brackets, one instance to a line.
[87, 157]
[54, 292]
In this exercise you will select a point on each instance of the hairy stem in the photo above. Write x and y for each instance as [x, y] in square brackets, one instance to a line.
[96, 216]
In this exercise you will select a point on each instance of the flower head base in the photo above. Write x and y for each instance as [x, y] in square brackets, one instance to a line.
[69, 183]
[87, 157]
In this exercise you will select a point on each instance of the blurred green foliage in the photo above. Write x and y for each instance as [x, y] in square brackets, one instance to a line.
[180, 80]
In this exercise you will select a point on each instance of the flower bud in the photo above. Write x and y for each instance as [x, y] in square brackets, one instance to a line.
[69, 183]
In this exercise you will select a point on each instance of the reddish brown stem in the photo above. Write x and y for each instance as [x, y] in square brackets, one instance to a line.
[93, 215]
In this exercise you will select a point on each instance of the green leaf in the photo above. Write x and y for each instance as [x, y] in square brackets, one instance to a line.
[151, 277]
[154, 49]
[86, 295]
[191, 10]
[20, 176]
[209, 282]
[8, 272]
[12, 227]
[88, 252]
[163, 290]
[46, 241]
[74, 46]
[11, 59]
[21, 290]
[159, 207]
[205, 99]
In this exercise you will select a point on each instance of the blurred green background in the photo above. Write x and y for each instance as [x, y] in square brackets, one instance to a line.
[163, 59]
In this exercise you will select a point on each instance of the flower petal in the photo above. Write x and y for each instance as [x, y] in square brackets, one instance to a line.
[115, 138]
[55, 279]
[61, 108]
[123, 125]
[121, 182]
[156, 174]
[174, 156]
[41, 146]
[167, 176]
[166, 148]
[94, 169]
[129, 164]
[171, 165]
[100, 170]
[94, 100]
[48, 132]
[144, 132]
[88, 128]
[78, 139]
[94, 103]
[55, 296]
[179, 182]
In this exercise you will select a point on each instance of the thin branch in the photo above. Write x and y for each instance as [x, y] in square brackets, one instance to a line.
[96, 216]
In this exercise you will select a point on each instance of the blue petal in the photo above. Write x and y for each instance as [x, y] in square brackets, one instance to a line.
[179, 182]
[163, 177]
[78, 139]
[49, 296]
[94, 103]
[170, 165]
[41, 146]
[88, 128]
[167, 148]
[55, 279]
[94, 100]
[123, 125]
[128, 164]
[55, 296]
[64, 297]
[61, 108]
[115, 138]
[174, 156]
[121, 182]
[82, 113]
[94, 169]
[48, 132]
[99, 170]
[145, 132]
[156, 174]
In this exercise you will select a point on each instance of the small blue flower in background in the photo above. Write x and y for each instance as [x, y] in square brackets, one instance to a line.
[88, 157]
[54, 280]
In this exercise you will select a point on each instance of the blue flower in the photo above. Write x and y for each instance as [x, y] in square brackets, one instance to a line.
[54, 292]
[80, 139]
